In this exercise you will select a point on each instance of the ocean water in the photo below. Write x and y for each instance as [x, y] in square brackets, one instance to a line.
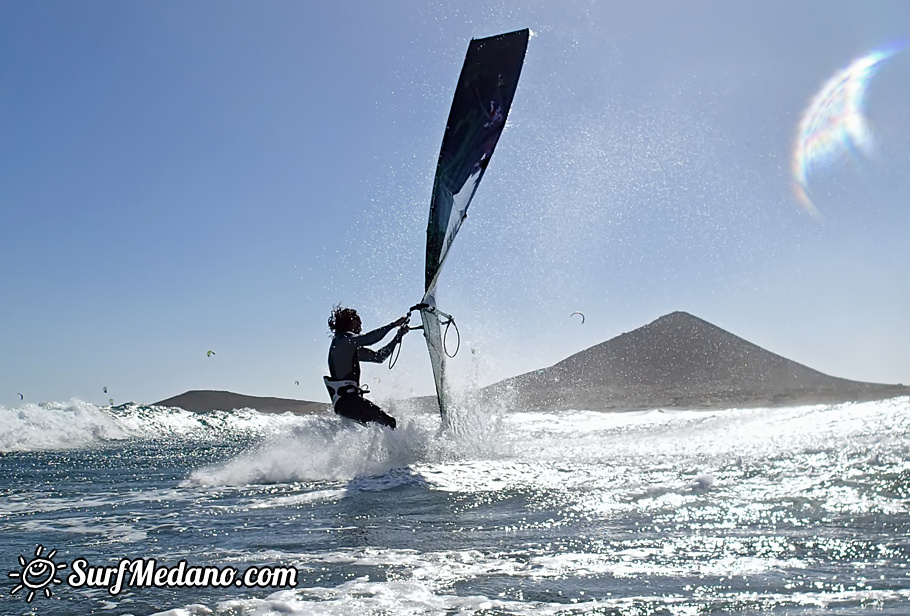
[744, 511]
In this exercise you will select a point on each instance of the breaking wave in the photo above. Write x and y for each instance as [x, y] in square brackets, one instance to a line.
[77, 424]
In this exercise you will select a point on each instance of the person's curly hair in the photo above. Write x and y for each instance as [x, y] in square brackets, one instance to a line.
[342, 319]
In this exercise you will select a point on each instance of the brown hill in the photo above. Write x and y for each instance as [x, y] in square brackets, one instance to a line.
[201, 401]
[680, 361]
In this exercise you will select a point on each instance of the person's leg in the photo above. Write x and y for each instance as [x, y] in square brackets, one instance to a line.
[362, 410]
[377, 415]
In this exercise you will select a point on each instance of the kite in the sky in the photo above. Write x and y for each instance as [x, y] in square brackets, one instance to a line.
[579, 314]
[210, 353]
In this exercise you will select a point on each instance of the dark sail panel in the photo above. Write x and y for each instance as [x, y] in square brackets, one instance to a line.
[481, 105]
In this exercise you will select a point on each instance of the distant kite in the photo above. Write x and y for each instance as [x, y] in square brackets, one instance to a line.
[21, 397]
[296, 382]
[579, 314]
[105, 390]
[834, 125]
[210, 353]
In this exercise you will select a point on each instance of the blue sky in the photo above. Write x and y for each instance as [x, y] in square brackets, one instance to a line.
[182, 177]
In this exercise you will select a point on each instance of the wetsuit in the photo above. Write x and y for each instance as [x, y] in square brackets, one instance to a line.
[345, 354]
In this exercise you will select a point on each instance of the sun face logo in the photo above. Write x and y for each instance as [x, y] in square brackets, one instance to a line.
[37, 574]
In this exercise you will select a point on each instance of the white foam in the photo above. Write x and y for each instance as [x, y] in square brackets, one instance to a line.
[412, 597]
[57, 426]
[113, 530]
[361, 597]
[324, 449]
[76, 424]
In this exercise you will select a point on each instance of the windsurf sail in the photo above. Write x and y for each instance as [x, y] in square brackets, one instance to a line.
[481, 105]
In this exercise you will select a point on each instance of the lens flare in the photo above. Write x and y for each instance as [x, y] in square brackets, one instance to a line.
[834, 124]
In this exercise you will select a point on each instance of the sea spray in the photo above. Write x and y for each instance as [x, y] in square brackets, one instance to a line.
[325, 449]
[63, 425]
[474, 425]
[77, 424]
[328, 448]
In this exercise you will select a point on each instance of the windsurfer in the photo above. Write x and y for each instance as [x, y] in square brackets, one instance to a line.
[348, 349]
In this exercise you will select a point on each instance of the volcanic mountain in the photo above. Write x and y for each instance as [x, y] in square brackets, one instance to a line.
[680, 361]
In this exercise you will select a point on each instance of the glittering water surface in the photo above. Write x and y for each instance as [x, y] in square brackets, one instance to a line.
[760, 511]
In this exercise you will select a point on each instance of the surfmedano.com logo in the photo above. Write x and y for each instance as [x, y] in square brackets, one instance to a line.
[37, 574]
[40, 573]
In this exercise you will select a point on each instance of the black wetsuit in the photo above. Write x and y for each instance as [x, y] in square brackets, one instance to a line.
[345, 354]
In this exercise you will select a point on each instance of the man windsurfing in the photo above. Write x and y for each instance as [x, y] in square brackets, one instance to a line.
[348, 349]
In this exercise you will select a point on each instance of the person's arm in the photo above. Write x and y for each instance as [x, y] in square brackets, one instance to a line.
[376, 335]
[365, 354]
